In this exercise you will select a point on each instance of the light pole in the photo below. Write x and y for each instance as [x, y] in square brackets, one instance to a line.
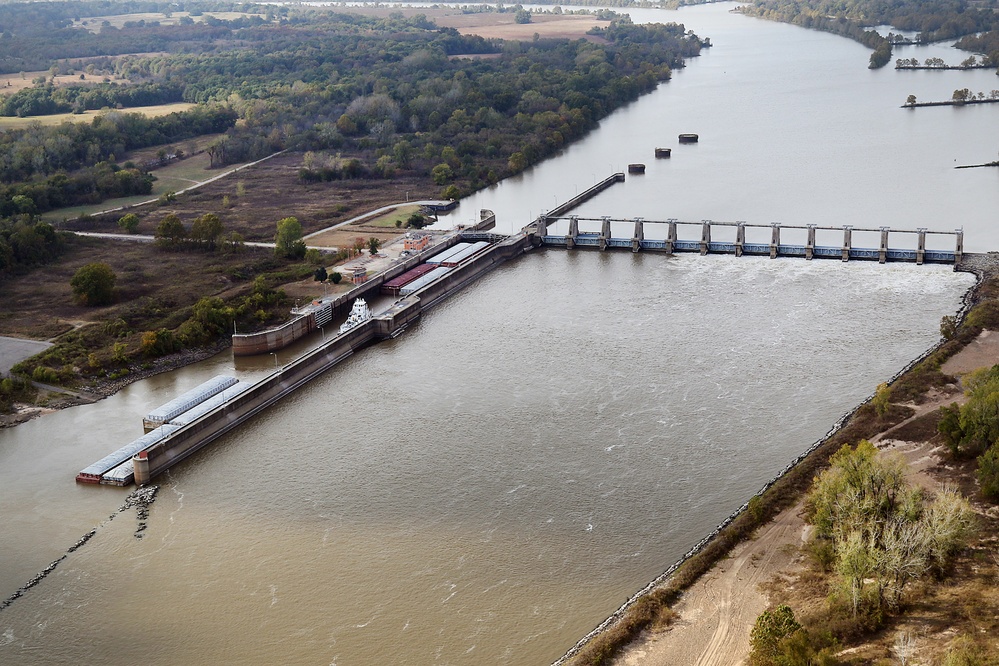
[274, 354]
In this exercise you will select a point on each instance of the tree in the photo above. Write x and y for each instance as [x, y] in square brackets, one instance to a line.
[93, 284]
[971, 428]
[442, 173]
[771, 630]
[948, 327]
[988, 473]
[129, 223]
[373, 245]
[910, 100]
[882, 399]
[517, 162]
[320, 275]
[403, 153]
[881, 528]
[170, 231]
[384, 168]
[288, 241]
[416, 221]
[336, 277]
[24, 204]
[232, 242]
[207, 229]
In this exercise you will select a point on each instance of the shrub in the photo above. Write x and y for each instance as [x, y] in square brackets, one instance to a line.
[46, 375]
[93, 284]
[770, 634]
[988, 473]
[129, 223]
[882, 399]
[159, 343]
[313, 256]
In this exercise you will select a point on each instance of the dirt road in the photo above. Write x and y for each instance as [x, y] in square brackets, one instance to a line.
[716, 615]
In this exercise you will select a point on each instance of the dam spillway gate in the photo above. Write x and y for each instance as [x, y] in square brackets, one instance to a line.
[703, 242]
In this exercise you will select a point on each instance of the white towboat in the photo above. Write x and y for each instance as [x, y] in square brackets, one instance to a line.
[359, 314]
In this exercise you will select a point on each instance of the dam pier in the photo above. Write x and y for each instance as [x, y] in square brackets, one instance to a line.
[702, 241]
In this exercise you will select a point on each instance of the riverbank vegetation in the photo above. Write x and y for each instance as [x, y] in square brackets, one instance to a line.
[976, 26]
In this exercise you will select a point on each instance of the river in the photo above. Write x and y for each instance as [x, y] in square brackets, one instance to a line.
[492, 484]
[794, 128]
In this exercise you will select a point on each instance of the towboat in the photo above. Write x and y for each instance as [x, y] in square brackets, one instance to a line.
[359, 314]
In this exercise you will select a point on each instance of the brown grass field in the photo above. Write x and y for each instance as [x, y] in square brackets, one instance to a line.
[272, 191]
[12, 83]
[95, 23]
[13, 122]
[494, 24]
[40, 304]
[502, 26]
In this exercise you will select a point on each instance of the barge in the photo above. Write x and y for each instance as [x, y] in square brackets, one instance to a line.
[186, 401]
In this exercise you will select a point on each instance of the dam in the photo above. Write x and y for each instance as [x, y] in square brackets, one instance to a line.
[598, 233]
[430, 276]
[704, 244]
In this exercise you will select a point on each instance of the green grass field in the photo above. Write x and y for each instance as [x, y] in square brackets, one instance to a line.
[399, 213]
[171, 178]
[153, 111]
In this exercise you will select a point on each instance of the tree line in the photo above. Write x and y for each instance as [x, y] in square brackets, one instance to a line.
[399, 87]
[41, 151]
[50, 99]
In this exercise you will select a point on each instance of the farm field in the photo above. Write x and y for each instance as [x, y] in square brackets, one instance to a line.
[95, 23]
[11, 122]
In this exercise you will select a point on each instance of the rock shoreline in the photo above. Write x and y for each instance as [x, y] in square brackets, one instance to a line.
[105, 388]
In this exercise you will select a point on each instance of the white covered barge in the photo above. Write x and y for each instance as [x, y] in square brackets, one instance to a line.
[186, 401]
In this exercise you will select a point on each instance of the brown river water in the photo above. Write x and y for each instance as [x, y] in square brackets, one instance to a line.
[488, 487]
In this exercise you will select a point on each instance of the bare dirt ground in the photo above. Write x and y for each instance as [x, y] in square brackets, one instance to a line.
[503, 26]
[717, 614]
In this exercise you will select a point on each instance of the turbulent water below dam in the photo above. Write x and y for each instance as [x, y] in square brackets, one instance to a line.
[484, 489]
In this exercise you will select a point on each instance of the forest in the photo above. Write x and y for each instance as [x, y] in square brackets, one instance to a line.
[412, 95]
